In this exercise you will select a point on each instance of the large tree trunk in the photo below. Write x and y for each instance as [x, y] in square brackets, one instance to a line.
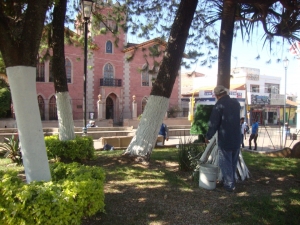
[225, 43]
[21, 29]
[146, 134]
[22, 84]
[64, 109]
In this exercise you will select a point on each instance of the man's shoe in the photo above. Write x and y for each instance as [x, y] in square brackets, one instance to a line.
[249, 148]
[254, 149]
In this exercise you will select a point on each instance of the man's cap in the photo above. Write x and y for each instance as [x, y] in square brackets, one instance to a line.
[219, 90]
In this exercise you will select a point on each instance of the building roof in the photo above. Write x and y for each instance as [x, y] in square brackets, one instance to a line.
[291, 103]
[132, 46]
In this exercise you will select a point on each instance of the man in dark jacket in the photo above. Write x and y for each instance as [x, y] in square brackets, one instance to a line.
[225, 119]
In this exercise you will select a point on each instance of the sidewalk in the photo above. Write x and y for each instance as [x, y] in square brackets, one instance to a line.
[269, 139]
[172, 142]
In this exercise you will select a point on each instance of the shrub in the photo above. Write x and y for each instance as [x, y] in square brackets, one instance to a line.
[189, 154]
[201, 118]
[76, 191]
[81, 148]
[12, 149]
[5, 99]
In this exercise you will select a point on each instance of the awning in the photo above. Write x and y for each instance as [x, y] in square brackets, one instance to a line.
[232, 87]
[291, 103]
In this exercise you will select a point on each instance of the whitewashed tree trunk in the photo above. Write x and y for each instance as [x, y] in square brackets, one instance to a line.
[65, 116]
[144, 141]
[23, 89]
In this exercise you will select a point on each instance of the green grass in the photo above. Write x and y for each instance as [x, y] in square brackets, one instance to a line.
[6, 164]
[271, 196]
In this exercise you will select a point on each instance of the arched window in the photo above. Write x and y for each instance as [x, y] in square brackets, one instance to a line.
[145, 75]
[40, 71]
[144, 103]
[41, 107]
[108, 47]
[68, 70]
[108, 71]
[52, 108]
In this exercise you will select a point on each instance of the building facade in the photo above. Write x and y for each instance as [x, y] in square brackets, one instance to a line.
[259, 96]
[112, 79]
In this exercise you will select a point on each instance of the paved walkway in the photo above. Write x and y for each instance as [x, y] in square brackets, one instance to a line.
[269, 139]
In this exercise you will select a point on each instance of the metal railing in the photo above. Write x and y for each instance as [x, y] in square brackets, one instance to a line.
[111, 82]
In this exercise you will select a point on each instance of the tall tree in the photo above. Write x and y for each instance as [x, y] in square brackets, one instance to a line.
[21, 25]
[64, 109]
[282, 23]
[158, 102]
[225, 42]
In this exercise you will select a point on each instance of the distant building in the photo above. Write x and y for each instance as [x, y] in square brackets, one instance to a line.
[259, 96]
[111, 77]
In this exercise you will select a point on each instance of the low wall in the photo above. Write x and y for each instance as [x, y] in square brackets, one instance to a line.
[11, 123]
[123, 142]
[179, 121]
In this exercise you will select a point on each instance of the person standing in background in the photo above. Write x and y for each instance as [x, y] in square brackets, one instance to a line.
[243, 131]
[254, 134]
[225, 119]
[164, 132]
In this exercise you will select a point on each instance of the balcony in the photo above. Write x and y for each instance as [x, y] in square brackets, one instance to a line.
[110, 82]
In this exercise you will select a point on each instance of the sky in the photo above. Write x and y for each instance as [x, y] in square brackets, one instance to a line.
[244, 55]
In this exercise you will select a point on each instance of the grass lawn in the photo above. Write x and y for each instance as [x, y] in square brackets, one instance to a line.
[158, 193]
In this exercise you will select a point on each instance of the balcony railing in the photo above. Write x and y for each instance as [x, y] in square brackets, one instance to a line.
[110, 82]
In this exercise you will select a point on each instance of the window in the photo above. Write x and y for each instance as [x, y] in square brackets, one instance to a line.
[52, 108]
[149, 75]
[41, 107]
[108, 47]
[108, 71]
[40, 72]
[272, 88]
[68, 70]
[254, 88]
[145, 78]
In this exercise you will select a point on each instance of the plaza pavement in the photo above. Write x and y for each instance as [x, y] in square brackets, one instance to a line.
[269, 139]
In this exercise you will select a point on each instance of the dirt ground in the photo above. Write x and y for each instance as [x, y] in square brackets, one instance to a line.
[166, 204]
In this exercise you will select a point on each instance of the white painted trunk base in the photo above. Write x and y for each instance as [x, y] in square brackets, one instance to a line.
[65, 116]
[144, 140]
[23, 89]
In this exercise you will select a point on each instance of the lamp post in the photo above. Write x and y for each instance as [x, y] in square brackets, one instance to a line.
[285, 64]
[86, 11]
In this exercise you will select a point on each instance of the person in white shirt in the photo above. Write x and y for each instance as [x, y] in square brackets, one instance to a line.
[243, 125]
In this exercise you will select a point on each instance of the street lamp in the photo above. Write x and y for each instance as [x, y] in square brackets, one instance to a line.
[86, 11]
[285, 64]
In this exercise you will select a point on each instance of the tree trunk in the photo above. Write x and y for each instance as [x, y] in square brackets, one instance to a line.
[225, 43]
[65, 117]
[21, 31]
[22, 84]
[146, 134]
[64, 109]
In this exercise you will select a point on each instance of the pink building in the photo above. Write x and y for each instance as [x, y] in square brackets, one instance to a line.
[111, 78]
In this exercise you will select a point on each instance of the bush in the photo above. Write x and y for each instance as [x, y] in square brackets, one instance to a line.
[81, 148]
[201, 118]
[12, 150]
[189, 154]
[5, 99]
[75, 192]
